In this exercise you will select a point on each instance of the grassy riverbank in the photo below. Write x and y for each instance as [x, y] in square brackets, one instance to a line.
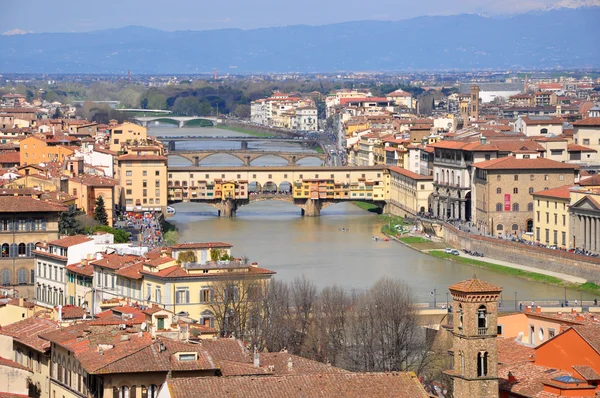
[244, 131]
[414, 239]
[367, 206]
[588, 287]
[390, 222]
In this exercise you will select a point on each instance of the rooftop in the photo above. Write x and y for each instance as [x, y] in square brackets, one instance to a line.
[26, 204]
[512, 163]
[563, 192]
[474, 285]
[70, 241]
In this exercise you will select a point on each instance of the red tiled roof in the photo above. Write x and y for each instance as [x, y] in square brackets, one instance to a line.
[72, 312]
[27, 331]
[12, 364]
[558, 193]
[131, 271]
[11, 395]
[512, 163]
[348, 385]
[116, 261]
[474, 285]
[594, 180]
[10, 157]
[176, 271]
[81, 269]
[590, 121]
[410, 174]
[511, 352]
[529, 378]
[95, 181]
[579, 148]
[544, 121]
[70, 241]
[587, 372]
[24, 204]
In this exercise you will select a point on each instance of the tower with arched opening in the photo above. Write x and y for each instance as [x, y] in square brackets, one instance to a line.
[475, 324]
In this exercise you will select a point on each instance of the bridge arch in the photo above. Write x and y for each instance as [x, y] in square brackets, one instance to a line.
[165, 119]
[224, 156]
[197, 122]
[306, 160]
[269, 155]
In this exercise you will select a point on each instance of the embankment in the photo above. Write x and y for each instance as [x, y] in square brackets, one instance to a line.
[519, 253]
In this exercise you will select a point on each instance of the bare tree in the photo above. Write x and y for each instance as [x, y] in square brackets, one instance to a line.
[277, 312]
[303, 297]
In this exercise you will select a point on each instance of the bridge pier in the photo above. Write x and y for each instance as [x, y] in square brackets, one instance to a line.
[227, 208]
[312, 208]
[292, 161]
[181, 123]
[246, 160]
[196, 161]
[171, 145]
[244, 145]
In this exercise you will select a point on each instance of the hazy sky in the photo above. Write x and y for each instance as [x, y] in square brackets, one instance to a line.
[81, 15]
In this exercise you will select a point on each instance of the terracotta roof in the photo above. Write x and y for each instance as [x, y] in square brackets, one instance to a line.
[95, 181]
[11, 395]
[12, 364]
[70, 241]
[511, 352]
[512, 163]
[177, 271]
[587, 372]
[200, 245]
[579, 148]
[24, 204]
[26, 332]
[542, 121]
[348, 385]
[81, 269]
[558, 193]
[72, 312]
[594, 180]
[152, 359]
[590, 121]
[116, 261]
[131, 271]
[591, 334]
[410, 174]
[474, 285]
[300, 365]
[10, 157]
[155, 262]
[529, 378]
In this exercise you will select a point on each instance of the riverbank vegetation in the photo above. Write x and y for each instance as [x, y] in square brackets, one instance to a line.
[588, 287]
[414, 239]
[370, 207]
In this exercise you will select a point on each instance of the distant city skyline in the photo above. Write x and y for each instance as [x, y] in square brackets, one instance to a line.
[73, 16]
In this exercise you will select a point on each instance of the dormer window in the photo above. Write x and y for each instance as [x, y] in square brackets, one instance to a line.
[188, 356]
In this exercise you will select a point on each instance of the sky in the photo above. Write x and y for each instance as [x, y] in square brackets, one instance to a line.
[17, 16]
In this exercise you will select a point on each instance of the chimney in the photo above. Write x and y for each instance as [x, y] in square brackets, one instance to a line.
[538, 309]
[580, 317]
[482, 139]
[290, 365]
[21, 301]
[511, 378]
[256, 358]
[573, 311]
[254, 264]
[60, 313]
[528, 308]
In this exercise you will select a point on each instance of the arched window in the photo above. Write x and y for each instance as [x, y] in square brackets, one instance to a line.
[460, 316]
[544, 131]
[482, 359]
[482, 319]
[530, 190]
[498, 206]
[515, 227]
[6, 277]
[499, 227]
[32, 276]
[152, 391]
[530, 206]
[5, 250]
[124, 392]
[22, 276]
[462, 362]
[22, 249]
[530, 225]
[515, 207]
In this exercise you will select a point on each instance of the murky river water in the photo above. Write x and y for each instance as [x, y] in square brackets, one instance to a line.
[276, 236]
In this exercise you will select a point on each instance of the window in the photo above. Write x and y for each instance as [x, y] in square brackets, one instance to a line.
[547, 218]
[530, 190]
[529, 226]
[555, 237]
[487, 156]
[128, 173]
[544, 131]
[546, 178]
[128, 191]
[158, 295]
[124, 392]
[498, 177]
[499, 331]
[555, 219]
[530, 206]
[187, 357]
[516, 177]
[157, 173]
[157, 183]
[564, 220]
[498, 190]
[482, 360]
[182, 296]
[551, 333]
[537, 234]
[515, 207]
[563, 238]
[561, 177]
[547, 235]
[128, 182]
[206, 295]
[157, 192]
[531, 177]
[586, 141]
[152, 391]
[515, 190]
[500, 227]
[498, 206]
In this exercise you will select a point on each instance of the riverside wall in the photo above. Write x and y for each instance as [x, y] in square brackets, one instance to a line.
[519, 253]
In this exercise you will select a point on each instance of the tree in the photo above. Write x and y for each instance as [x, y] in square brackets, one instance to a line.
[57, 113]
[171, 237]
[120, 236]
[187, 257]
[242, 111]
[100, 214]
[67, 224]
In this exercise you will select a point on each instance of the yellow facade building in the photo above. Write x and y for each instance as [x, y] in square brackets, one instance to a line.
[143, 182]
[551, 217]
[126, 134]
[34, 150]
[409, 191]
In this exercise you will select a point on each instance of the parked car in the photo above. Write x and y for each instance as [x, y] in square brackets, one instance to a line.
[448, 250]
[455, 252]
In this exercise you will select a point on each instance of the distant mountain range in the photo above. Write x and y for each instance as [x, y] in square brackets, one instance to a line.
[556, 38]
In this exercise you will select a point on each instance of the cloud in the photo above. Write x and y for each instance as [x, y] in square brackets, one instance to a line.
[16, 31]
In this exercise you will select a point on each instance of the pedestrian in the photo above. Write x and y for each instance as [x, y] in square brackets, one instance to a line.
[532, 304]
[595, 301]
[576, 302]
[520, 306]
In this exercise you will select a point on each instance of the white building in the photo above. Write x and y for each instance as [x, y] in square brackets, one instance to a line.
[538, 125]
[100, 158]
[50, 262]
[306, 119]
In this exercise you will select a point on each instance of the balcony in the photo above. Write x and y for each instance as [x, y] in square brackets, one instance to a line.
[482, 331]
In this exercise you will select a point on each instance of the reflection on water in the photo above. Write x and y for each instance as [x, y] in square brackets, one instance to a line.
[276, 236]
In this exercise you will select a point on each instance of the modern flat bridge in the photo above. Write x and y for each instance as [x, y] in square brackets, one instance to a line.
[181, 120]
[311, 188]
[247, 157]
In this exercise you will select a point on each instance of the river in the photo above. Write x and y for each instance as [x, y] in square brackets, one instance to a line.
[275, 235]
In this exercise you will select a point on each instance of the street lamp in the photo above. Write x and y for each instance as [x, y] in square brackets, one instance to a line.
[515, 301]
[447, 300]
[434, 294]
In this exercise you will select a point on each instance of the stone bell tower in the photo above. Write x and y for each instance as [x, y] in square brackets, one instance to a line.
[474, 101]
[475, 327]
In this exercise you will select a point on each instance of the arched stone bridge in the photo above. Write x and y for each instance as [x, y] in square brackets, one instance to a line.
[246, 156]
[181, 120]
